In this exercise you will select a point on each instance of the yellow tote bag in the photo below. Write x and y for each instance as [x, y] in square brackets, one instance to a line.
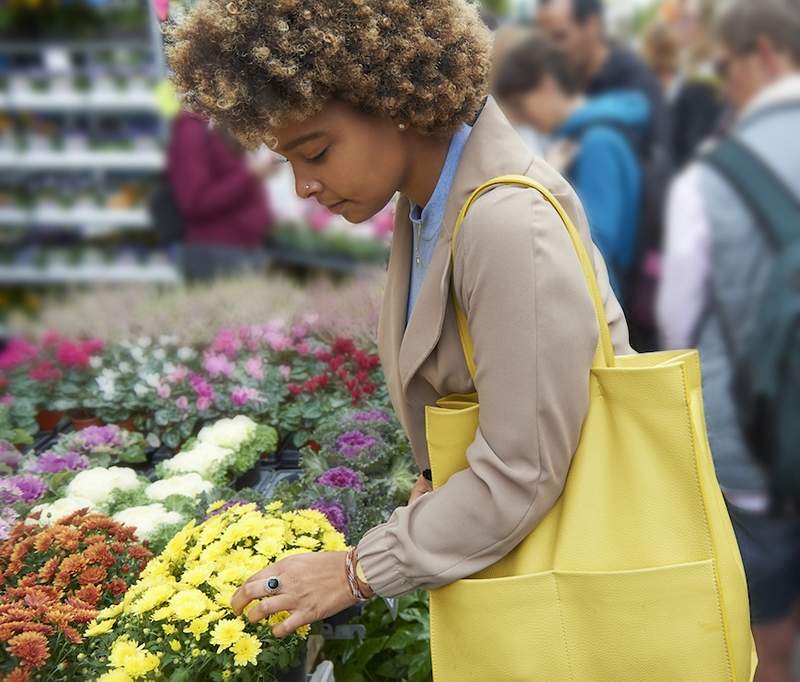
[635, 573]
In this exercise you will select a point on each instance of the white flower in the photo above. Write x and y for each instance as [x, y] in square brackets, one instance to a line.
[187, 485]
[137, 354]
[185, 354]
[201, 459]
[228, 433]
[159, 354]
[95, 362]
[153, 380]
[164, 340]
[140, 390]
[107, 386]
[125, 367]
[145, 342]
[50, 513]
[147, 519]
[169, 368]
[97, 484]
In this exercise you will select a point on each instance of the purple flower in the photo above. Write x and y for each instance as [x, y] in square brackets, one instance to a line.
[9, 455]
[351, 444]
[22, 488]
[218, 365]
[335, 513]
[243, 395]
[52, 462]
[371, 416]
[254, 368]
[341, 477]
[100, 437]
[201, 386]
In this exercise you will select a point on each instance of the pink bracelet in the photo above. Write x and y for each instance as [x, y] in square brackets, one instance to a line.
[352, 580]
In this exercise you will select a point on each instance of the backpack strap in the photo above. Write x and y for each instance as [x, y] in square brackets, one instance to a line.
[775, 206]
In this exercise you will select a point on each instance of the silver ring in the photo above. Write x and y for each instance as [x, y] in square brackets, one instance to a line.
[272, 585]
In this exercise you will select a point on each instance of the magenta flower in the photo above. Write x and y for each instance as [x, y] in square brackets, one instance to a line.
[254, 367]
[218, 365]
[201, 386]
[164, 391]
[53, 462]
[243, 395]
[227, 342]
[17, 352]
[22, 488]
[182, 403]
[110, 436]
[352, 443]
[203, 403]
[341, 477]
[335, 513]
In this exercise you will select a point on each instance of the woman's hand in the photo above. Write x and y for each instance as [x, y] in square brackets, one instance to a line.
[422, 486]
[313, 586]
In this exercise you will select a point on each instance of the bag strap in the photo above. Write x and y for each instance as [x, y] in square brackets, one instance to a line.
[775, 206]
[604, 357]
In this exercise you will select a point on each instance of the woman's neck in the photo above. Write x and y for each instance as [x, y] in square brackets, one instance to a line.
[426, 157]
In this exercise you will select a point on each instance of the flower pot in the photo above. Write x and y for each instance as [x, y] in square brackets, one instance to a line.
[83, 420]
[128, 425]
[48, 419]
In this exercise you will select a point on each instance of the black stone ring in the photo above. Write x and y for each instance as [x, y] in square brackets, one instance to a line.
[272, 585]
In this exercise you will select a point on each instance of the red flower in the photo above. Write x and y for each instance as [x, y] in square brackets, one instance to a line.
[343, 347]
[31, 647]
[90, 594]
[117, 586]
[294, 389]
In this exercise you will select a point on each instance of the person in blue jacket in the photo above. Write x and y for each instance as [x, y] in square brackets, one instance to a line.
[594, 142]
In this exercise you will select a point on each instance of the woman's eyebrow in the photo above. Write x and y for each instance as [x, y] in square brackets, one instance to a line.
[300, 140]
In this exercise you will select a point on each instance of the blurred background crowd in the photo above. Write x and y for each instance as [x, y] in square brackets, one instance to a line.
[677, 122]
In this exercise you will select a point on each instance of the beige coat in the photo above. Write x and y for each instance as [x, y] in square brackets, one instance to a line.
[518, 279]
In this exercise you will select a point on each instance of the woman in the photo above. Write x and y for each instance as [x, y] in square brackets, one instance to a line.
[366, 98]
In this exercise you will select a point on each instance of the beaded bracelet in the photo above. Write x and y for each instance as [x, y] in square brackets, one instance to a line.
[352, 580]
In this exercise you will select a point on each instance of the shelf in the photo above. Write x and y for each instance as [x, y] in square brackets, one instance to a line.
[89, 274]
[91, 219]
[138, 160]
[77, 101]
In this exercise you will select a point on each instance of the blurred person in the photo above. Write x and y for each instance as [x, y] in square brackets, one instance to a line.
[592, 142]
[718, 261]
[602, 66]
[223, 205]
[693, 95]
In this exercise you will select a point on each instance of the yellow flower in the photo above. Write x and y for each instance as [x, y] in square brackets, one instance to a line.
[246, 650]
[226, 632]
[110, 612]
[99, 628]
[197, 575]
[161, 614]
[153, 597]
[169, 629]
[307, 542]
[214, 506]
[277, 618]
[303, 631]
[122, 649]
[141, 663]
[226, 674]
[274, 507]
[269, 547]
[189, 604]
[302, 525]
[333, 541]
[175, 645]
[118, 675]
[197, 627]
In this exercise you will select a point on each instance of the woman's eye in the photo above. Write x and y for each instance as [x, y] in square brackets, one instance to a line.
[319, 156]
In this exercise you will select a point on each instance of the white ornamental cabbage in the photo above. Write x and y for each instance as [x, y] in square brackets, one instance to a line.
[202, 459]
[50, 513]
[147, 519]
[188, 485]
[97, 484]
[228, 433]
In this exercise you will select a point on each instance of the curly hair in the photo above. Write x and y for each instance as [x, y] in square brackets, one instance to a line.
[256, 65]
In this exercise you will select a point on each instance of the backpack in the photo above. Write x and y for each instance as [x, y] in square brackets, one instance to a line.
[766, 369]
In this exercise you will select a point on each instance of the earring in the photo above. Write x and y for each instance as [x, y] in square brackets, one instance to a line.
[401, 127]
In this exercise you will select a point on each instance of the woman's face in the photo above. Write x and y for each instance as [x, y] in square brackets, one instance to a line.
[351, 162]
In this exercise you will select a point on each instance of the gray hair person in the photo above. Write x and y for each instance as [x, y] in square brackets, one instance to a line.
[716, 267]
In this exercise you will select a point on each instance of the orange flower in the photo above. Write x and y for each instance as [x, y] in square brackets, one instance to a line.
[92, 575]
[98, 553]
[18, 675]
[31, 647]
[49, 570]
[117, 586]
[71, 565]
[90, 594]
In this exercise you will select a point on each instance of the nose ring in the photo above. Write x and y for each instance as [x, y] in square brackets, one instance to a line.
[308, 188]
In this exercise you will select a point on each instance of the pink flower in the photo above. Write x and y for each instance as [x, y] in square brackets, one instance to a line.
[7, 400]
[303, 348]
[285, 371]
[254, 368]
[178, 375]
[243, 395]
[278, 340]
[71, 354]
[17, 352]
[182, 403]
[45, 372]
[92, 346]
[227, 342]
[203, 403]
[162, 9]
[217, 365]
[164, 391]
[201, 386]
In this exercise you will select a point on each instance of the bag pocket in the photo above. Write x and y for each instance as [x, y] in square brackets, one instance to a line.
[660, 624]
[498, 630]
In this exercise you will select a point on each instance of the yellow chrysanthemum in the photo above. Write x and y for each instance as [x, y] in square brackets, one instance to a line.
[197, 627]
[246, 650]
[153, 597]
[214, 506]
[303, 526]
[175, 645]
[169, 629]
[161, 614]
[197, 575]
[307, 542]
[274, 507]
[117, 675]
[333, 541]
[122, 649]
[110, 612]
[303, 631]
[99, 628]
[142, 662]
[189, 604]
[226, 633]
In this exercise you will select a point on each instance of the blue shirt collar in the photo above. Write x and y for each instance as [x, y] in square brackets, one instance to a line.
[432, 214]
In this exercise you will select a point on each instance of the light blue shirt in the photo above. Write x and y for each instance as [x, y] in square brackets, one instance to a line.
[426, 223]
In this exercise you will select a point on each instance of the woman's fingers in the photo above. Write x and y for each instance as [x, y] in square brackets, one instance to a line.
[252, 589]
[271, 605]
[295, 620]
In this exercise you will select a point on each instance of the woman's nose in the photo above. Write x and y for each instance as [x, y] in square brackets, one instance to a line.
[306, 188]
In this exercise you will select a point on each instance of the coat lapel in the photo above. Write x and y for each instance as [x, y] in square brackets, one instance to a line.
[493, 149]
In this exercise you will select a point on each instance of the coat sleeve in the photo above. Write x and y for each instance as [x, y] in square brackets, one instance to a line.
[534, 332]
